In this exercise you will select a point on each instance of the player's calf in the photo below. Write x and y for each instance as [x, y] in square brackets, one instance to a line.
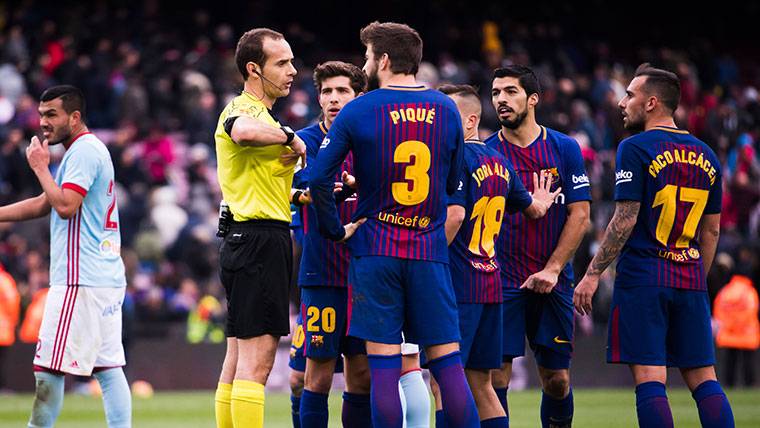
[48, 399]
[117, 399]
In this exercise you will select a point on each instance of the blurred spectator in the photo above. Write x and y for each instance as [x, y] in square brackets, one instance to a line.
[735, 311]
[10, 306]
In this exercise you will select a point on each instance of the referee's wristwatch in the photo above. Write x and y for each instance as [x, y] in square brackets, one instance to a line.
[289, 133]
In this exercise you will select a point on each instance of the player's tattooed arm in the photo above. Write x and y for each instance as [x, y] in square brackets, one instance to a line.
[708, 238]
[617, 233]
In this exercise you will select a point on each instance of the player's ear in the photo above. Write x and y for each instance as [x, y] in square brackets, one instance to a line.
[252, 68]
[75, 116]
[651, 104]
[533, 100]
[385, 62]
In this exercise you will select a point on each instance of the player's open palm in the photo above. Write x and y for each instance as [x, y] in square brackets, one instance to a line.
[351, 229]
[37, 154]
[542, 185]
[541, 282]
[584, 294]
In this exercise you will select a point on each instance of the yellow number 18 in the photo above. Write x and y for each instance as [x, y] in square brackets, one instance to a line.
[667, 198]
[488, 214]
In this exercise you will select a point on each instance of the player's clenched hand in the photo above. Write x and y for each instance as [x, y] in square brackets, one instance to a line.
[542, 184]
[305, 197]
[584, 294]
[298, 148]
[541, 282]
[348, 179]
[351, 229]
[37, 154]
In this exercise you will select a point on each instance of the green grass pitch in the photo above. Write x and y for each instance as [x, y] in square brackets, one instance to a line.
[593, 408]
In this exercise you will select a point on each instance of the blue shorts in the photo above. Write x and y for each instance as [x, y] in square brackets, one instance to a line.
[391, 295]
[324, 310]
[297, 359]
[660, 326]
[481, 328]
[547, 322]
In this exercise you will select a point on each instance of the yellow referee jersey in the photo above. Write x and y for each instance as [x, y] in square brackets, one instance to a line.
[255, 184]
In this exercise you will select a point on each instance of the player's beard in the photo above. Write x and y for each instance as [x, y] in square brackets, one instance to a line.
[373, 81]
[633, 123]
[516, 122]
[60, 135]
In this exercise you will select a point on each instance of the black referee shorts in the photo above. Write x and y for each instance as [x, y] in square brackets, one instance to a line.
[256, 261]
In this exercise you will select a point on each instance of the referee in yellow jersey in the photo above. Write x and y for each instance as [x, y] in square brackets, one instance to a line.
[256, 161]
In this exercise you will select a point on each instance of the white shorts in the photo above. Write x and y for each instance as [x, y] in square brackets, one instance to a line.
[81, 329]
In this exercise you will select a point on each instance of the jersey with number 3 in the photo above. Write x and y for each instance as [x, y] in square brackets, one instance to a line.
[85, 249]
[407, 151]
[677, 180]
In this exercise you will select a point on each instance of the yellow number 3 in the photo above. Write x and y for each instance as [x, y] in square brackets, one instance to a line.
[416, 172]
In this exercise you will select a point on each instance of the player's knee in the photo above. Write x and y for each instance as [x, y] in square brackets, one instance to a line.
[499, 378]
[319, 382]
[296, 383]
[556, 383]
[358, 381]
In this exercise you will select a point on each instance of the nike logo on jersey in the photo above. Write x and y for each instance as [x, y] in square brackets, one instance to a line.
[560, 341]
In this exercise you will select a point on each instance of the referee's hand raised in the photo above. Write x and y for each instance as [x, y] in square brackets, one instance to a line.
[298, 148]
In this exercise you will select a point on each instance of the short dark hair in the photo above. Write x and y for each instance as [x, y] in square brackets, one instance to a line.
[330, 69]
[71, 97]
[250, 48]
[401, 42]
[460, 90]
[664, 84]
[524, 75]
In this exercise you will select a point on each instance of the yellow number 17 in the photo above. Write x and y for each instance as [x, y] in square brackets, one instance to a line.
[667, 198]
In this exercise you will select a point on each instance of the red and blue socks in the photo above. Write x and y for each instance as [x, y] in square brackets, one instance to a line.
[385, 371]
[458, 404]
[356, 412]
[556, 413]
[712, 404]
[652, 407]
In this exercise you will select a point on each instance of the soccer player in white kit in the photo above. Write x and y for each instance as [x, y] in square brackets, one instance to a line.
[81, 326]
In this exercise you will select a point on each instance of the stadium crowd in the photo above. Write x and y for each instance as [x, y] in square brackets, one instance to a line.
[154, 93]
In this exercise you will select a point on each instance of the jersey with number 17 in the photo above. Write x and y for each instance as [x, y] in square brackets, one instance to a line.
[677, 180]
[407, 151]
[85, 249]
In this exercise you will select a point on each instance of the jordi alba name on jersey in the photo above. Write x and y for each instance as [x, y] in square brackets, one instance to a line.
[407, 152]
[526, 244]
[489, 189]
[677, 179]
[85, 249]
[323, 262]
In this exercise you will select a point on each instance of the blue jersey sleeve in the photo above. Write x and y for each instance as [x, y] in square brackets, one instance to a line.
[715, 200]
[459, 197]
[577, 186]
[518, 198]
[332, 152]
[82, 167]
[457, 160]
[629, 176]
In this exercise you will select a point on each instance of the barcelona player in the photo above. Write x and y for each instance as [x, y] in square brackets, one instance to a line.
[534, 254]
[323, 274]
[406, 143]
[489, 189]
[665, 229]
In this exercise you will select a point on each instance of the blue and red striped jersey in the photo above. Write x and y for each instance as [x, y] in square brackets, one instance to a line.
[525, 245]
[323, 262]
[407, 147]
[677, 179]
[489, 190]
